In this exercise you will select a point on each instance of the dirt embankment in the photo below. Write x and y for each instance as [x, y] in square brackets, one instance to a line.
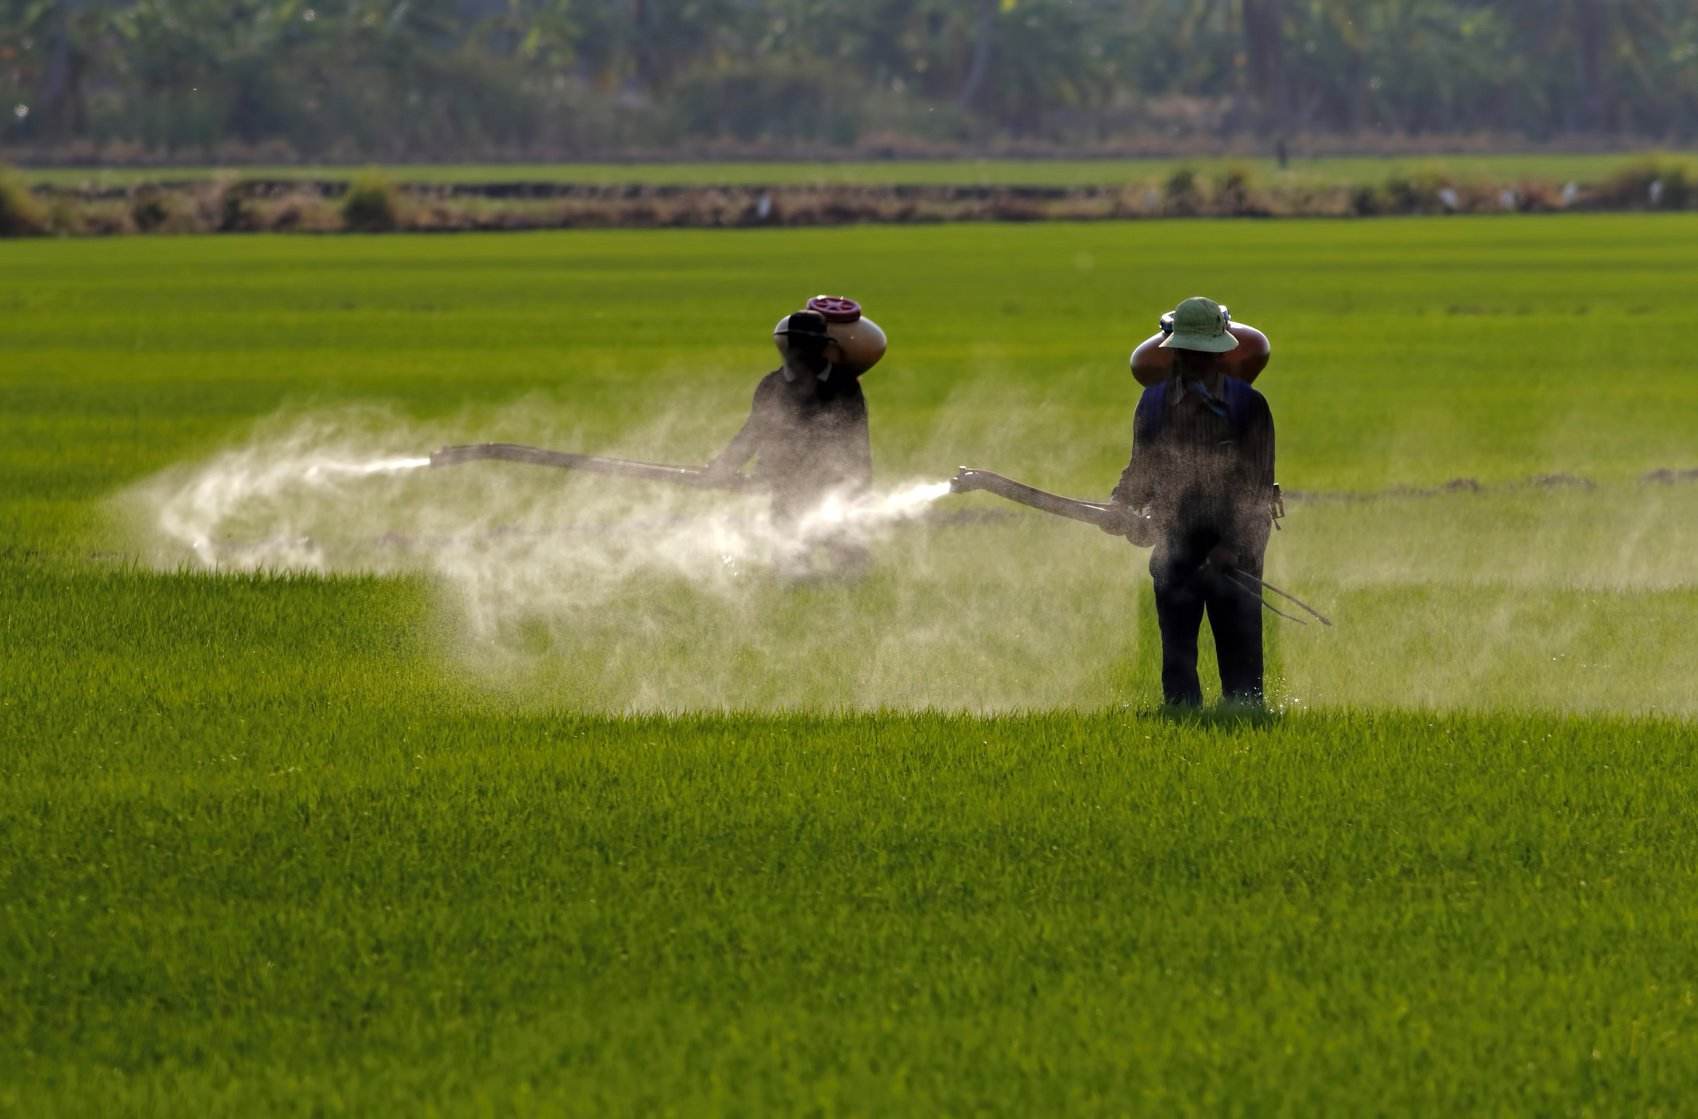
[370, 204]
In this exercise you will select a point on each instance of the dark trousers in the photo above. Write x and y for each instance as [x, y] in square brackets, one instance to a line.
[1184, 593]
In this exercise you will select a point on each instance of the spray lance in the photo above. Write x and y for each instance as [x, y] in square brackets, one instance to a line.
[694, 476]
[1101, 514]
[1134, 524]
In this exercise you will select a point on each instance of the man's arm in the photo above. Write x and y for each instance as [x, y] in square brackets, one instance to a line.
[747, 441]
[1137, 486]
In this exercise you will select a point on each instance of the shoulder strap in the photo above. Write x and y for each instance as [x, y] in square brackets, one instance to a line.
[1239, 398]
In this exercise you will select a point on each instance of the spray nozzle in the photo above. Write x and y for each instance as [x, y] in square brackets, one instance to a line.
[967, 480]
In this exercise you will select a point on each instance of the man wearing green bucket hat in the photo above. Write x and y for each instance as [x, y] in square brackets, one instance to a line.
[1200, 488]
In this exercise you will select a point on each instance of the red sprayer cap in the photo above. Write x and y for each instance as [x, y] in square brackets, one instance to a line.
[835, 308]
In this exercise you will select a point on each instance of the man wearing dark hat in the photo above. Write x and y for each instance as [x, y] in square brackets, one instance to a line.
[807, 429]
[1200, 488]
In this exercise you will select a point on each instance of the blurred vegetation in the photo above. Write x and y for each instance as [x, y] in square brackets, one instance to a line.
[21, 213]
[371, 204]
[1663, 182]
[398, 199]
[283, 80]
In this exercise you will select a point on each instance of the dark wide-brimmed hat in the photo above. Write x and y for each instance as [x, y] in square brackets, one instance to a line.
[804, 326]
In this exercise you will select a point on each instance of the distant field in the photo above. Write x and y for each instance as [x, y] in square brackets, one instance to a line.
[556, 829]
[1032, 172]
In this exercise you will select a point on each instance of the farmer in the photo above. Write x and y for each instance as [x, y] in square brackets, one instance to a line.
[1200, 488]
[807, 429]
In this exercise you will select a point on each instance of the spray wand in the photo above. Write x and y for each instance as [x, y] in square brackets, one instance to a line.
[1101, 514]
[1118, 519]
[694, 476]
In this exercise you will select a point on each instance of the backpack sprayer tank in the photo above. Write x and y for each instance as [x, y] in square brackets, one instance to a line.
[860, 342]
[1152, 365]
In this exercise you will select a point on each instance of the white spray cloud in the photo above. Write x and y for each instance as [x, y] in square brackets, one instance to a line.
[528, 560]
[613, 594]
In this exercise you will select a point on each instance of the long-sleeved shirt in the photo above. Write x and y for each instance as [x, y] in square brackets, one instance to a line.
[1202, 465]
[808, 436]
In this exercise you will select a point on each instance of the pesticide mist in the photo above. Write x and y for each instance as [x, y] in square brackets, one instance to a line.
[599, 593]
[316, 499]
[608, 592]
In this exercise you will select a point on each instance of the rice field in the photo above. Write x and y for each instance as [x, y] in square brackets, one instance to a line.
[555, 828]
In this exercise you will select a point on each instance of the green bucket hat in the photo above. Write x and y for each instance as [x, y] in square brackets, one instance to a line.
[1200, 324]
